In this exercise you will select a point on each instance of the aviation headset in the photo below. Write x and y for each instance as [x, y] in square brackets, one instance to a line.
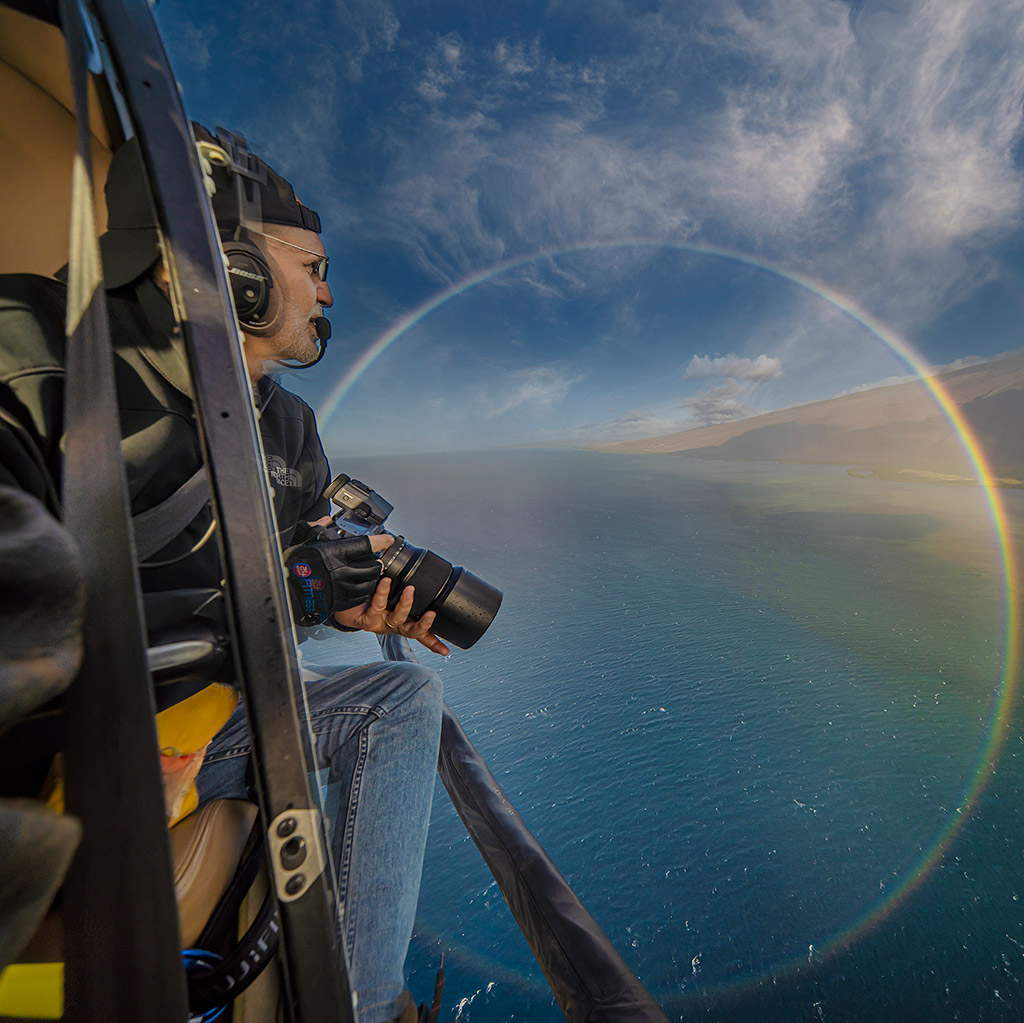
[243, 190]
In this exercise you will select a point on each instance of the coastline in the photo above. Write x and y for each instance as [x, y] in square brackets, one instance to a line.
[926, 476]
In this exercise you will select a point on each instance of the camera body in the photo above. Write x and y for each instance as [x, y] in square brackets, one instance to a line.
[362, 510]
[465, 605]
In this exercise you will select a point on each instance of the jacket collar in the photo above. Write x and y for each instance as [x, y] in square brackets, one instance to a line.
[266, 387]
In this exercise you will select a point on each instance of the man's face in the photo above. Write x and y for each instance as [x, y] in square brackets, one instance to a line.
[302, 294]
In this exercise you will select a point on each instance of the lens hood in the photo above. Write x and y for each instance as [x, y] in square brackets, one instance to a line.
[465, 605]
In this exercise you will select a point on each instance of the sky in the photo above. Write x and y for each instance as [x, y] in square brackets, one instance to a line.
[556, 221]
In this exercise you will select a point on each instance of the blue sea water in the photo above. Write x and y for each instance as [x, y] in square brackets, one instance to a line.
[738, 705]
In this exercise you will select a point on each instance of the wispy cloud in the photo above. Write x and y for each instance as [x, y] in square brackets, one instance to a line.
[929, 100]
[873, 150]
[721, 404]
[628, 427]
[369, 27]
[193, 41]
[517, 58]
[442, 69]
[534, 389]
[764, 367]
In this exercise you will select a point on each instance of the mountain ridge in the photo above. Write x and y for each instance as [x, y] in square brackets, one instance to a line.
[897, 426]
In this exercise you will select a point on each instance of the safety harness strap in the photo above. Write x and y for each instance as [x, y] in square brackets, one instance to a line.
[229, 978]
[220, 927]
[156, 527]
[121, 929]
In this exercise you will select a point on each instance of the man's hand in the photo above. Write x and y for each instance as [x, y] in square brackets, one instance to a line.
[374, 616]
[325, 576]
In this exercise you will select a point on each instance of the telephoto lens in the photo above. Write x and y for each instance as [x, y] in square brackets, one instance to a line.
[465, 605]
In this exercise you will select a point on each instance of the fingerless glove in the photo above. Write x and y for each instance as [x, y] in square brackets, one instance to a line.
[327, 576]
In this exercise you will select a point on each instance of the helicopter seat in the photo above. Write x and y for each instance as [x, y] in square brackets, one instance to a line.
[207, 847]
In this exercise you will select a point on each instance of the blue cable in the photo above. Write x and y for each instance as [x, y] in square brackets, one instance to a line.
[198, 959]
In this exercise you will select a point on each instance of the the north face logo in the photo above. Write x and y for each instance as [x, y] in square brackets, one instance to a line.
[281, 474]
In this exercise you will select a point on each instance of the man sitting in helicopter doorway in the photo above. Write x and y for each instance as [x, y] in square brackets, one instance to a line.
[376, 727]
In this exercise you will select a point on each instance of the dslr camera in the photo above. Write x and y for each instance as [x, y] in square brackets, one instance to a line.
[465, 605]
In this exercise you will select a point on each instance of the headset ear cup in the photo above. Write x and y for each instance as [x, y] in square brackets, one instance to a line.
[252, 285]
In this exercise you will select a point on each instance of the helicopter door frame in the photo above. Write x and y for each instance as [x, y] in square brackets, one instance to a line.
[316, 985]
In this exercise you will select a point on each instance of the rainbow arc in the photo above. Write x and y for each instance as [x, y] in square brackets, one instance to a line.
[996, 728]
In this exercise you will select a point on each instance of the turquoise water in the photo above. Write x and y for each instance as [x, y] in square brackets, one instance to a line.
[736, 704]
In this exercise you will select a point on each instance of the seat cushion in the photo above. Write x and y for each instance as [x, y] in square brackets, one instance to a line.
[207, 847]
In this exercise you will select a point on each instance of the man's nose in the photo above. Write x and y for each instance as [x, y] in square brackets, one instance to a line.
[323, 295]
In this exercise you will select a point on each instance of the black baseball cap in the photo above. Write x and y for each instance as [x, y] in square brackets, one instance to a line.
[246, 188]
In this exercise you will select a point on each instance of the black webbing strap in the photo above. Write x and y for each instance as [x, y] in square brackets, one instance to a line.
[315, 979]
[240, 967]
[245, 959]
[121, 929]
[156, 527]
[219, 931]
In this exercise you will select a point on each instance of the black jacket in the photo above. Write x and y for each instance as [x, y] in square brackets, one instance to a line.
[160, 439]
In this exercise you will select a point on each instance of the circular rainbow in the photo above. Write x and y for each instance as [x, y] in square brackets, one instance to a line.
[997, 723]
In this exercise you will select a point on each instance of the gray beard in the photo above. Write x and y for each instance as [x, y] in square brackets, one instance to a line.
[299, 349]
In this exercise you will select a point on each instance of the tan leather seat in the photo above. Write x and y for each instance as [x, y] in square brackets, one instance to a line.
[207, 847]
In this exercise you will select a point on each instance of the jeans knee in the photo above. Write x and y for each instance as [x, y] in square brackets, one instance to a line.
[382, 689]
[423, 686]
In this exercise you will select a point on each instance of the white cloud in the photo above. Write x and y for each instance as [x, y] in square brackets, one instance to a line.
[720, 404]
[764, 367]
[371, 28]
[442, 69]
[739, 375]
[536, 388]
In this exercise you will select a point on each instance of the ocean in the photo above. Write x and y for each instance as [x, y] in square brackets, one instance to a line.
[746, 709]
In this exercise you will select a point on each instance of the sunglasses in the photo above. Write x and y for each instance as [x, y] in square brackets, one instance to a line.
[319, 267]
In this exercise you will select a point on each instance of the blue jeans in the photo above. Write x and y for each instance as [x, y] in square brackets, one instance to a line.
[377, 730]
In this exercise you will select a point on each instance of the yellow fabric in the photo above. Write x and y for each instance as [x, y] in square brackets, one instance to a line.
[188, 726]
[180, 794]
[53, 787]
[183, 731]
[32, 991]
